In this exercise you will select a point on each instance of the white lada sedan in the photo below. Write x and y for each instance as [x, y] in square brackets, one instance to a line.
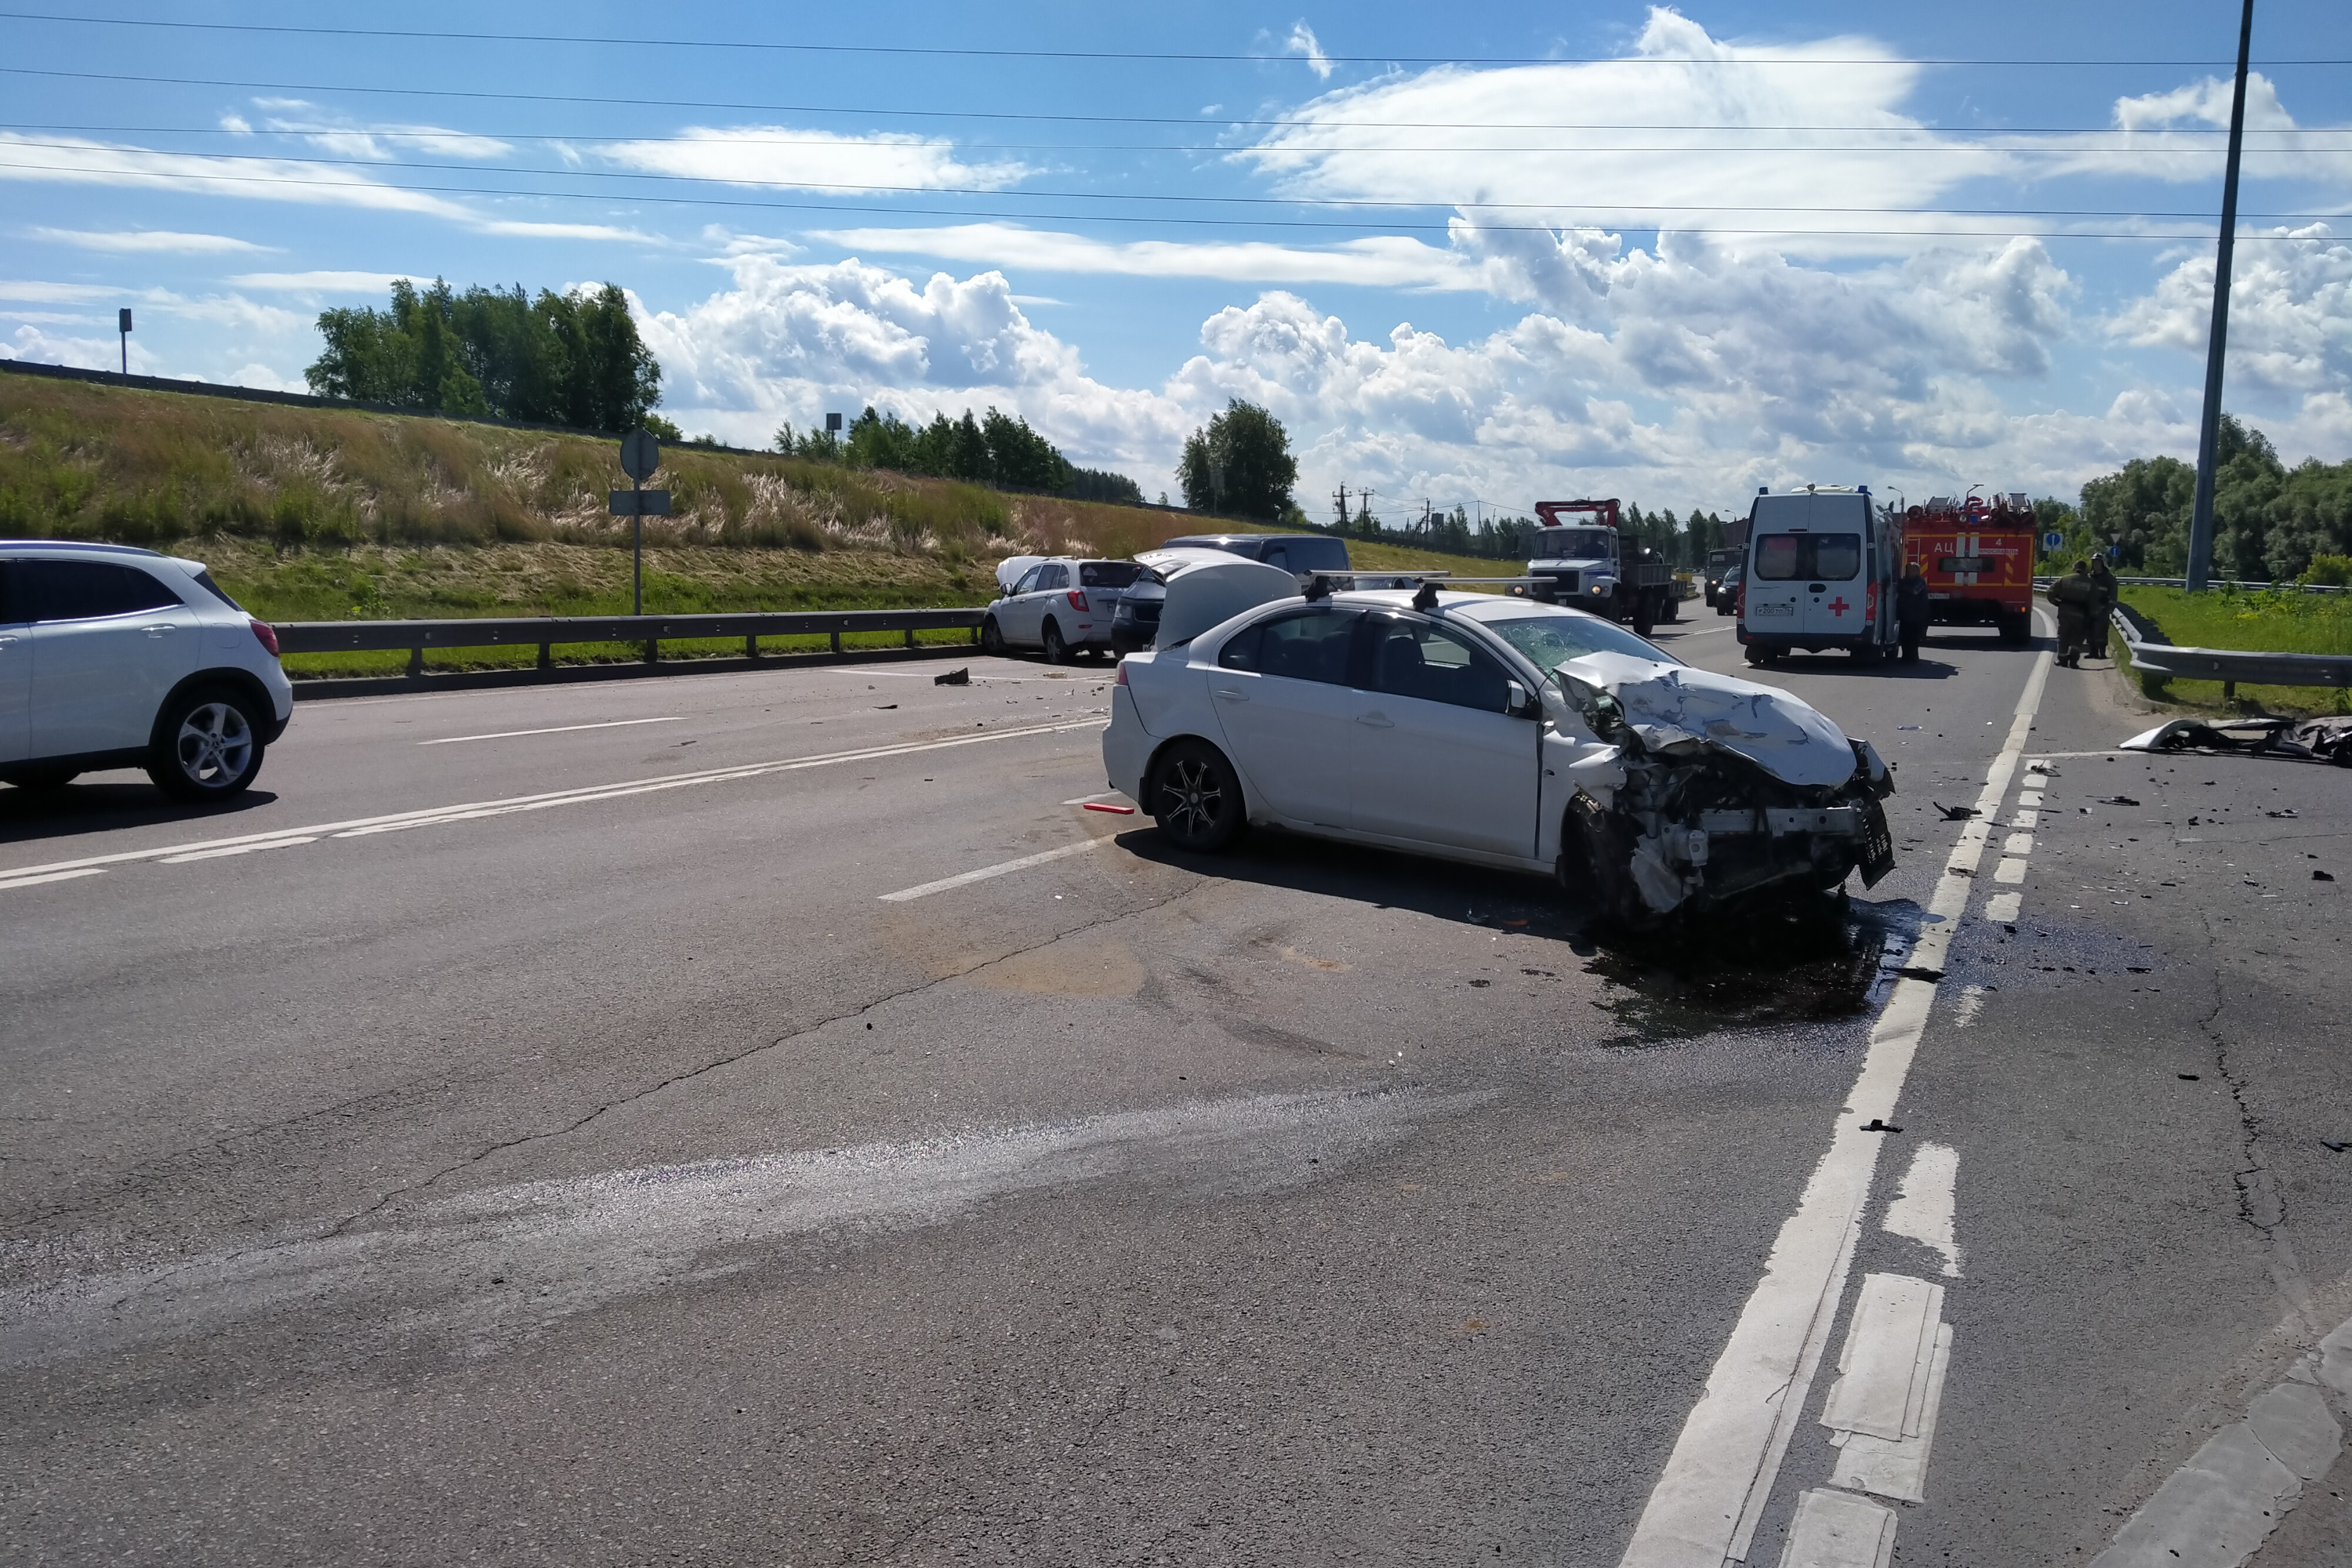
[1492, 730]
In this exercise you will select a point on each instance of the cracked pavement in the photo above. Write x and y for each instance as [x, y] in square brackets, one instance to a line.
[628, 1183]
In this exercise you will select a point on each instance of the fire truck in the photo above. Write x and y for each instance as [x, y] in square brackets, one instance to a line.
[1976, 554]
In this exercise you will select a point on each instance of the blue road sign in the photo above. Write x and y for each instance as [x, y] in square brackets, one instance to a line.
[2053, 541]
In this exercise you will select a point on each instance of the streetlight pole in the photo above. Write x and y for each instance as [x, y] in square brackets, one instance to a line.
[2209, 440]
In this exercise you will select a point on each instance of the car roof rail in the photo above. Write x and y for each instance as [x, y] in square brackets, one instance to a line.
[93, 545]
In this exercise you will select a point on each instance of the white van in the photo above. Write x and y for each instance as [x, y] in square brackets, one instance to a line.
[1819, 573]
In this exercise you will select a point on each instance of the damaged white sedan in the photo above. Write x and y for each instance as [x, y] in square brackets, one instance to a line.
[1492, 730]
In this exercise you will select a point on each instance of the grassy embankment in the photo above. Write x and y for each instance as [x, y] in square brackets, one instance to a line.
[320, 514]
[2271, 621]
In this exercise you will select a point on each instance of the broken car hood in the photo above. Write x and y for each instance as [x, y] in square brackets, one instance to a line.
[1672, 706]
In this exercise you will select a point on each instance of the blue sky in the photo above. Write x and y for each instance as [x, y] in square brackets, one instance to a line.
[1473, 254]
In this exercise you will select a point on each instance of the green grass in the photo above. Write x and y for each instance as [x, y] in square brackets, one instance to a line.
[2263, 621]
[312, 514]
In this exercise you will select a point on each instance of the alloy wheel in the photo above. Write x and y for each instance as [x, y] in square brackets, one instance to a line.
[215, 745]
[1196, 799]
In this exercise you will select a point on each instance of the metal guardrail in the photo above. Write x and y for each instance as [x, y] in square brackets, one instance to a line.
[2162, 662]
[2233, 582]
[546, 632]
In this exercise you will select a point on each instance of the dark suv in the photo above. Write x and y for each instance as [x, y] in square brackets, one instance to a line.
[1304, 553]
[1135, 622]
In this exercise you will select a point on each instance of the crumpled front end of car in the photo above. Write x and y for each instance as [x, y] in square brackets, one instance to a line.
[1729, 791]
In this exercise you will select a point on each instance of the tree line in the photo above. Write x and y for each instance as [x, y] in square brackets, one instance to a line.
[996, 448]
[560, 359]
[2270, 521]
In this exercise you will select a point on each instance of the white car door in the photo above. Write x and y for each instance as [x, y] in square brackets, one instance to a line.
[1016, 605]
[16, 673]
[1437, 758]
[1280, 690]
[109, 642]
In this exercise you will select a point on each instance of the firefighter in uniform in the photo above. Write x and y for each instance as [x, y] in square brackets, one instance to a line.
[2102, 612]
[1911, 610]
[2076, 597]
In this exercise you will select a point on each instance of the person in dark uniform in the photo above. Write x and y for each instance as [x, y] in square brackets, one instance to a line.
[2074, 598]
[1911, 609]
[2102, 613]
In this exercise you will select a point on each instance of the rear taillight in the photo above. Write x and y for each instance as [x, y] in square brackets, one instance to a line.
[265, 636]
[1077, 598]
[1122, 674]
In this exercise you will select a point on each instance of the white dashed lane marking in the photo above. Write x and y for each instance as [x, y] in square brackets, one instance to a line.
[434, 817]
[965, 879]
[1708, 1503]
[552, 730]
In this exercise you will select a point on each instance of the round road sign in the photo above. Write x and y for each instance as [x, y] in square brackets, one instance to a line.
[640, 454]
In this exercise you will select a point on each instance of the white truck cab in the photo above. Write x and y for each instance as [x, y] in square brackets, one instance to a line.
[1819, 573]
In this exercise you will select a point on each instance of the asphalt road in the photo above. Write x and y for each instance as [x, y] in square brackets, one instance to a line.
[527, 1131]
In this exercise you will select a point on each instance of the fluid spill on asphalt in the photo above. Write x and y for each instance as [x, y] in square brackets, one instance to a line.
[480, 1269]
[1754, 973]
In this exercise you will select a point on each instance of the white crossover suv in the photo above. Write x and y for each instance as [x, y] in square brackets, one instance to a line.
[113, 657]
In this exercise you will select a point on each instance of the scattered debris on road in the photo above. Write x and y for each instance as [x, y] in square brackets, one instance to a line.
[1954, 813]
[2118, 800]
[954, 677]
[2300, 740]
[1875, 1125]
[2323, 876]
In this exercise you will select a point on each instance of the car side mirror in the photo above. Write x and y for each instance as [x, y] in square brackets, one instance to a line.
[1519, 705]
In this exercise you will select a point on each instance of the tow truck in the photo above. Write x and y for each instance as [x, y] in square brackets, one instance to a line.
[1581, 558]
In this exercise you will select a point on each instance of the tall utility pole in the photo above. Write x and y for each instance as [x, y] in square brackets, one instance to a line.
[2209, 440]
[1339, 498]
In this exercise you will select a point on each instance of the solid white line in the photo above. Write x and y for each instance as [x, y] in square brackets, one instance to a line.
[1923, 1204]
[1836, 1529]
[233, 849]
[1707, 1502]
[556, 730]
[556, 798]
[985, 872]
[35, 881]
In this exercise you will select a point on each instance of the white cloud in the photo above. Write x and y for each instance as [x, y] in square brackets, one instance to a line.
[151, 239]
[42, 293]
[74, 161]
[237, 124]
[327, 282]
[778, 156]
[35, 347]
[1610, 144]
[1387, 261]
[1691, 378]
[1302, 42]
[2290, 316]
[792, 342]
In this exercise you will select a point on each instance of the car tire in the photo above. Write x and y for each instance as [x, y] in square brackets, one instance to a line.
[42, 780]
[1759, 656]
[991, 639]
[207, 744]
[1645, 616]
[1196, 797]
[1056, 650]
[2016, 630]
[1605, 878]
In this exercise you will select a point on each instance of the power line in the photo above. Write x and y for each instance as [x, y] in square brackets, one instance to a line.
[868, 187]
[151, 176]
[1287, 57]
[732, 139]
[606, 103]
